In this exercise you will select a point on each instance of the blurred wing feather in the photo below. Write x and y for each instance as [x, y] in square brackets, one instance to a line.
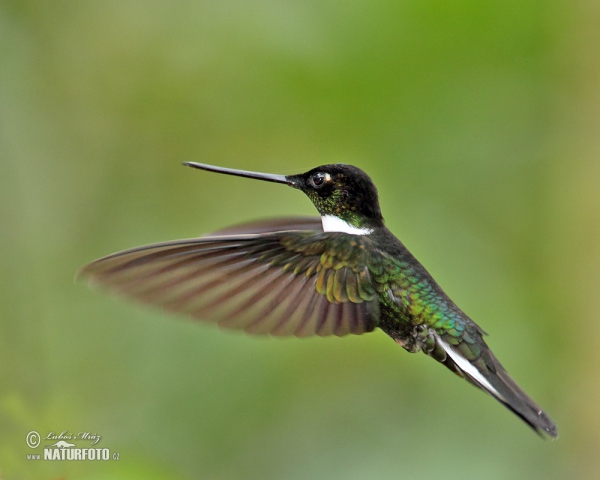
[281, 283]
[272, 225]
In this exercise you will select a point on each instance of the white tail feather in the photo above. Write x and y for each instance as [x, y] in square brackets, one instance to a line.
[467, 367]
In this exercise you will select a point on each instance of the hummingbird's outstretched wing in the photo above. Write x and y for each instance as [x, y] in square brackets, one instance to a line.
[281, 283]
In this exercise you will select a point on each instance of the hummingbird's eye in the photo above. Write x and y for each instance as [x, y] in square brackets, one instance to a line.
[318, 179]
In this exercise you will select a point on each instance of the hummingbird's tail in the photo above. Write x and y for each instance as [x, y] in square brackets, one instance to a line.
[488, 374]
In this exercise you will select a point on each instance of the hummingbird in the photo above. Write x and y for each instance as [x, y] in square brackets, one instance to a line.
[341, 273]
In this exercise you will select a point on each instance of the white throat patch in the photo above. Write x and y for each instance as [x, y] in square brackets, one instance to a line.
[332, 223]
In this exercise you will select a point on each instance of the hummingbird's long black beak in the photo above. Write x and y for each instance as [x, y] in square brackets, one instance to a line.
[268, 177]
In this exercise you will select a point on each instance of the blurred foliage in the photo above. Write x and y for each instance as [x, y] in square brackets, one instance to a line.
[477, 120]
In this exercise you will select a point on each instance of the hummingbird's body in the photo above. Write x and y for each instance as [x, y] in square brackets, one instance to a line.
[346, 273]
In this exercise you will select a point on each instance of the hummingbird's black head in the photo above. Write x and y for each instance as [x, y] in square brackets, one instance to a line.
[344, 195]
[342, 191]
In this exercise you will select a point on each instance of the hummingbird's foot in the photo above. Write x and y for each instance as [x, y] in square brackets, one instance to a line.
[419, 338]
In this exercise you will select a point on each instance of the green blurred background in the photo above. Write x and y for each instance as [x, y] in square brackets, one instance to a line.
[478, 121]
